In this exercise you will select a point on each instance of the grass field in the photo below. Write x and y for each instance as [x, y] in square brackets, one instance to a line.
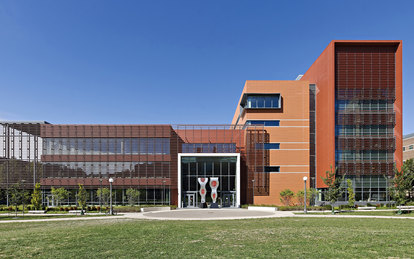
[364, 213]
[44, 216]
[278, 237]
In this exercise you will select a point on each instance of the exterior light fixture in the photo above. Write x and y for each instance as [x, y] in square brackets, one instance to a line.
[305, 178]
[111, 180]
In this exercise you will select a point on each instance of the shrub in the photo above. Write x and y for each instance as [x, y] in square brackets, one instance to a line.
[66, 208]
[286, 196]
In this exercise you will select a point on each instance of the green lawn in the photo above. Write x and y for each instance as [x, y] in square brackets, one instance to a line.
[43, 216]
[277, 237]
[364, 213]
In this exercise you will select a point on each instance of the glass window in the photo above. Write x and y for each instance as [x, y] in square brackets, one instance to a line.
[269, 146]
[267, 123]
[166, 146]
[262, 101]
[96, 146]
[272, 169]
[135, 146]
[150, 145]
[111, 146]
[143, 146]
[88, 146]
[127, 146]
[411, 147]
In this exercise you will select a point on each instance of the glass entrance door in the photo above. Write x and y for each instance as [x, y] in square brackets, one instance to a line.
[190, 199]
[229, 200]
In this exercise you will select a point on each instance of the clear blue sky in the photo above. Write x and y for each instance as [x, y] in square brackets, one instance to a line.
[173, 61]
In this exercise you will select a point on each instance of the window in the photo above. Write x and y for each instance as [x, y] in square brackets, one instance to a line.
[272, 169]
[209, 148]
[403, 149]
[269, 146]
[411, 147]
[270, 123]
[261, 101]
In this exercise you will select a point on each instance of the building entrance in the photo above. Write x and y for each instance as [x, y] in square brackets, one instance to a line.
[190, 200]
[229, 199]
[198, 172]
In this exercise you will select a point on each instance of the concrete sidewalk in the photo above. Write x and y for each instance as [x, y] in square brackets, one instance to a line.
[213, 214]
[61, 219]
[204, 214]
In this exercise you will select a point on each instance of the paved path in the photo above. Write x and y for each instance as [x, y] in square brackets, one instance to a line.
[203, 214]
[350, 216]
[213, 214]
[61, 219]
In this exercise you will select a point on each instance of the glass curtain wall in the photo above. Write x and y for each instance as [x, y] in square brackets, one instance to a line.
[194, 167]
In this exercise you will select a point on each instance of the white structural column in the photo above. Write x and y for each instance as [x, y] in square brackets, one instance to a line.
[237, 155]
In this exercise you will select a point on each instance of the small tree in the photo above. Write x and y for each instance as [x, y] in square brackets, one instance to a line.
[59, 195]
[18, 196]
[286, 196]
[133, 196]
[401, 190]
[351, 194]
[25, 198]
[82, 198]
[312, 194]
[37, 197]
[104, 195]
[300, 197]
[334, 190]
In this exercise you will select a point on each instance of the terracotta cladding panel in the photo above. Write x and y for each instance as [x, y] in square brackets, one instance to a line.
[279, 182]
[104, 158]
[211, 136]
[105, 131]
[366, 66]
[358, 64]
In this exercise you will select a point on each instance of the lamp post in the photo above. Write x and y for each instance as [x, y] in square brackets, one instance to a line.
[253, 191]
[305, 178]
[23, 195]
[100, 197]
[163, 192]
[111, 180]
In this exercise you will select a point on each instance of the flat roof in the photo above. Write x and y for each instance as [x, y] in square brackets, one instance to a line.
[24, 122]
[408, 136]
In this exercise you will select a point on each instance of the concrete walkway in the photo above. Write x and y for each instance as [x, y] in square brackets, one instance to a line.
[213, 214]
[202, 214]
[63, 218]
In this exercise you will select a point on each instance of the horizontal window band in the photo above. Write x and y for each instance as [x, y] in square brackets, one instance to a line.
[288, 165]
[288, 149]
[282, 172]
[294, 142]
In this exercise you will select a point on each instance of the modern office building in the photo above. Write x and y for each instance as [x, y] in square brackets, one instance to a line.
[359, 113]
[344, 113]
[408, 147]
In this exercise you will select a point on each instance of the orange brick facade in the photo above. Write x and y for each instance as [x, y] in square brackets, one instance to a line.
[292, 134]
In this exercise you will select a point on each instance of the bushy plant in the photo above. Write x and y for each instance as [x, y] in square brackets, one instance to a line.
[82, 197]
[286, 196]
[37, 197]
[132, 196]
[104, 195]
[59, 194]
[334, 190]
[351, 194]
